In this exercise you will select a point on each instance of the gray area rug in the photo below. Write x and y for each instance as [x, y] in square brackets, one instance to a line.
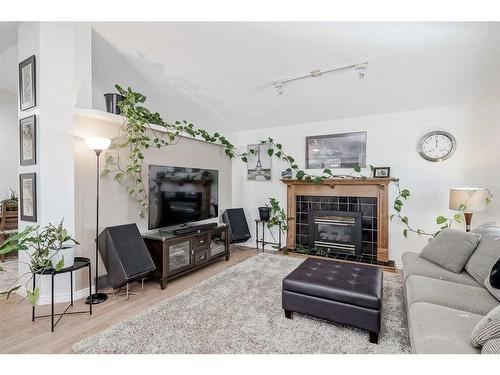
[239, 311]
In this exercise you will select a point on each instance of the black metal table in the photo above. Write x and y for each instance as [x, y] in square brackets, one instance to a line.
[79, 263]
[263, 241]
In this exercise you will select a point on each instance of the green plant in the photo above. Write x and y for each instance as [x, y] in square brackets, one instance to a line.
[41, 244]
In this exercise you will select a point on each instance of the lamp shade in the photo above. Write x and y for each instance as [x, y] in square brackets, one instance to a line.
[474, 199]
[97, 143]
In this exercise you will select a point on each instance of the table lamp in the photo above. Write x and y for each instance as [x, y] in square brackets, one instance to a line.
[468, 200]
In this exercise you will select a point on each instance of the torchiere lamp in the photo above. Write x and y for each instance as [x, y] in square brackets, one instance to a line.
[97, 144]
[468, 200]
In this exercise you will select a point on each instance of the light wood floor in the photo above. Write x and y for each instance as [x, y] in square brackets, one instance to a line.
[18, 334]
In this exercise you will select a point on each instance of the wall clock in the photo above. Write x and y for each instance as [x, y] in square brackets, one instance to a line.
[437, 146]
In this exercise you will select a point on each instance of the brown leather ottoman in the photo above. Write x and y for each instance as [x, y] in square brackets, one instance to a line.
[341, 292]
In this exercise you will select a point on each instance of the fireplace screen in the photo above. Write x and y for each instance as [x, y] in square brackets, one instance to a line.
[340, 232]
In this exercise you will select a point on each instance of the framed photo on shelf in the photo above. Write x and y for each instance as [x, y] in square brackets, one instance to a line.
[259, 163]
[27, 196]
[344, 150]
[27, 140]
[27, 83]
[381, 172]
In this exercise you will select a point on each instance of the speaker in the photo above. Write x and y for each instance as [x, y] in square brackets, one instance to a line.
[124, 254]
[238, 227]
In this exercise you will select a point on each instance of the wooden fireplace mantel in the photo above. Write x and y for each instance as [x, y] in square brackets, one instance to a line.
[369, 187]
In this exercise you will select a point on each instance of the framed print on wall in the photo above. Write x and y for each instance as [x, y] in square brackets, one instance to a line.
[27, 196]
[344, 150]
[259, 163]
[27, 140]
[27, 83]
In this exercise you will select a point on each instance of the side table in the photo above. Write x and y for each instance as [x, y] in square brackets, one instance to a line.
[263, 241]
[79, 263]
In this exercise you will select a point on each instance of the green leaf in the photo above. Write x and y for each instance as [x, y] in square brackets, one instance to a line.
[60, 264]
[404, 219]
[441, 220]
[405, 233]
[270, 152]
[317, 180]
[458, 218]
[244, 158]
[300, 175]
[34, 296]
[357, 168]
[327, 171]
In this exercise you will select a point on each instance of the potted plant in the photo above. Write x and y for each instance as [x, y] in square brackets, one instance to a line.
[112, 100]
[264, 213]
[47, 247]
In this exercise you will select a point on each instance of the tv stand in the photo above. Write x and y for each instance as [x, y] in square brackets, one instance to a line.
[175, 255]
[194, 228]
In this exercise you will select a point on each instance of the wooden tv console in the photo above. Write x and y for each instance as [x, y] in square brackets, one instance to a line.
[176, 255]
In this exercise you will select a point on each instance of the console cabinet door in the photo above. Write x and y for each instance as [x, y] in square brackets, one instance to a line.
[179, 256]
[218, 241]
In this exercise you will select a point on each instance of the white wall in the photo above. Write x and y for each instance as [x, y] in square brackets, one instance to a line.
[392, 140]
[9, 141]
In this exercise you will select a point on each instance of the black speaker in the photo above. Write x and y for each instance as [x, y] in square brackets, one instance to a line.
[124, 254]
[238, 227]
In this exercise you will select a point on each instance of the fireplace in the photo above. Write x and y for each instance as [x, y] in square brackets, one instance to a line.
[336, 231]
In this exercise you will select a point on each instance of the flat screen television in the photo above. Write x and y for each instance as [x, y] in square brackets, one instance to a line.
[179, 195]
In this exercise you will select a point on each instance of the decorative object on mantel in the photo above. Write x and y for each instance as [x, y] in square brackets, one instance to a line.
[112, 100]
[437, 146]
[286, 174]
[381, 172]
[345, 150]
[468, 200]
[97, 144]
[27, 83]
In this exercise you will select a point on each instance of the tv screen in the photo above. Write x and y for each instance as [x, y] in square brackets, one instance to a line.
[179, 195]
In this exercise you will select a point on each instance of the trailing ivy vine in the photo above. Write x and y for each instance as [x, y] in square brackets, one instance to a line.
[144, 129]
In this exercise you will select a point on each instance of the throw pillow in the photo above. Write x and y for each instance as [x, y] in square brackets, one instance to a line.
[487, 253]
[451, 249]
[492, 282]
[488, 328]
[491, 347]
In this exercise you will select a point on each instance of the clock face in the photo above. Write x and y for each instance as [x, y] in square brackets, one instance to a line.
[437, 146]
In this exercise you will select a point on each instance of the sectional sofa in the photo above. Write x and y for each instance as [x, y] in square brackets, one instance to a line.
[443, 307]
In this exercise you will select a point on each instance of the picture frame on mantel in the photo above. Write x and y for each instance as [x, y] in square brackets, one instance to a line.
[27, 197]
[381, 172]
[27, 140]
[27, 83]
[343, 150]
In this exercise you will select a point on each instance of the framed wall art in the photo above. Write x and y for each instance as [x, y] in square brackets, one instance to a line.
[259, 163]
[27, 83]
[27, 140]
[27, 196]
[344, 150]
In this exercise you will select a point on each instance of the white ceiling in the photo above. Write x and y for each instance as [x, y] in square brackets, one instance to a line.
[227, 68]
[8, 34]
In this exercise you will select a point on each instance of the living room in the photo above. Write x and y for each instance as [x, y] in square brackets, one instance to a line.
[315, 186]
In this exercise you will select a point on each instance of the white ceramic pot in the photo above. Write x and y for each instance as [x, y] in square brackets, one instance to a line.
[67, 251]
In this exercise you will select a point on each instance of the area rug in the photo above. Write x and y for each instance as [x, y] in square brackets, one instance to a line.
[239, 311]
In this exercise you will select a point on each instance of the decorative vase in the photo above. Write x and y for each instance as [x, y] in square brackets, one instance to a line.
[112, 101]
[265, 213]
[67, 251]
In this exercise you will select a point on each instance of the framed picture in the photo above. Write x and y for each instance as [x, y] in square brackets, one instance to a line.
[27, 196]
[381, 172]
[27, 140]
[259, 163]
[345, 150]
[27, 83]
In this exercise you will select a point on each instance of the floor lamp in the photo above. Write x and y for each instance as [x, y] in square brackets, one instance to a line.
[98, 145]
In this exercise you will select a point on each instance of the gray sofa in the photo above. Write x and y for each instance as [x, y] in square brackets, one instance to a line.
[443, 307]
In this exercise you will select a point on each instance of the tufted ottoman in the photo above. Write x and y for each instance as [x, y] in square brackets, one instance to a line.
[341, 292]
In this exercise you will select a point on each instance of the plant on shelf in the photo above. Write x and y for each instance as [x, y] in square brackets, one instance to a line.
[42, 245]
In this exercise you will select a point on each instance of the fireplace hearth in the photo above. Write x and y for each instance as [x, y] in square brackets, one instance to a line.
[335, 231]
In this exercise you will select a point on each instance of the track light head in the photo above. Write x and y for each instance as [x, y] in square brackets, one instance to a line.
[279, 87]
[361, 70]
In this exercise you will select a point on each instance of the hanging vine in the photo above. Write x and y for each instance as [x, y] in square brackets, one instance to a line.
[144, 129]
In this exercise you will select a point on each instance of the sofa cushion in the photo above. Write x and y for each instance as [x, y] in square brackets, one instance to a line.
[440, 329]
[491, 347]
[492, 282]
[451, 249]
[487, 253]
[468, 298]
[413, 264]
[487, 328]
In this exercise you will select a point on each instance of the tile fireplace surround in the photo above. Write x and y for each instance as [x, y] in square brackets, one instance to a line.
[366, 196]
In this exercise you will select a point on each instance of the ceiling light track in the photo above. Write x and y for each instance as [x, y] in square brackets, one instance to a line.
[360, 69]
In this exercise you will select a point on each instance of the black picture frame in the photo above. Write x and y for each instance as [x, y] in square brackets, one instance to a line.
[342, 150]
[382, 172]
[25, 86]
[24, 125]
[25, 187]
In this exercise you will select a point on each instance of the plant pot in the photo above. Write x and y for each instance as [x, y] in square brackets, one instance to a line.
[265, 213]
[112, 101]
[67, 251]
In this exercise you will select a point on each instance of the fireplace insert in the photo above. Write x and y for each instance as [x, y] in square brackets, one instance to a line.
[337, 231]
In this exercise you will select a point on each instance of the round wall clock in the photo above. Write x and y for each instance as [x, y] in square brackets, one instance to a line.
[437, 146]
